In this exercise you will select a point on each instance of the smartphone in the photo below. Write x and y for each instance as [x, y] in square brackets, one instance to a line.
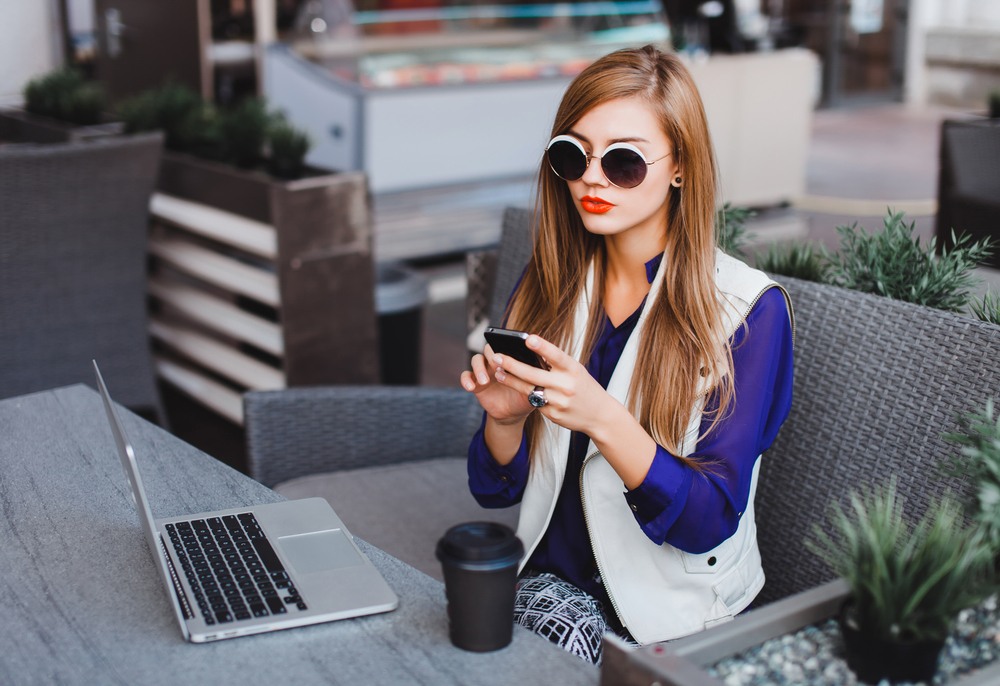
[509, 342]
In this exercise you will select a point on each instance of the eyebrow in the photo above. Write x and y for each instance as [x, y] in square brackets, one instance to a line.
[627, 139]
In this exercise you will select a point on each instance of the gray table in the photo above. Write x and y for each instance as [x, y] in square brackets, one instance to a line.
[82, 603]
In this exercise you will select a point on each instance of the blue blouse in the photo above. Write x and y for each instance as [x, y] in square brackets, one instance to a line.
[693, 511]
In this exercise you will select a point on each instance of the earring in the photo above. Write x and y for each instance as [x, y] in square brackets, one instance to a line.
[677, 181]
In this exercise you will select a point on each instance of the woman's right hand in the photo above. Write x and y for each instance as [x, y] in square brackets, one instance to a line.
[503, 404]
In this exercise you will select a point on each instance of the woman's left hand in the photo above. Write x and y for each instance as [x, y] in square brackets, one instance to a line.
[575, 400]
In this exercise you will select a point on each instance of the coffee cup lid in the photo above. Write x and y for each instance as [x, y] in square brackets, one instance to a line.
[480, 542]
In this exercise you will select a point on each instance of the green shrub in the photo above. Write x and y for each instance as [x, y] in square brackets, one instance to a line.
[800, 260]
[246, 135]
[894, 264]
[63, 94]
[906, 582]
[288, 150]
[189, 124]
[730, 228]
[243, 132]
[988, 308]
[979, 463]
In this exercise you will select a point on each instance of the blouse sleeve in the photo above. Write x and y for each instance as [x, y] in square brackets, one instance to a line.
[492, 484]
[696, 511]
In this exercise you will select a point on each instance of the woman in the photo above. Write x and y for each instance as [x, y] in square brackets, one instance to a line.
[634, 455]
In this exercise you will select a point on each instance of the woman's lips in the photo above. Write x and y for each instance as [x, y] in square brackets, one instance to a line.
[595, 205]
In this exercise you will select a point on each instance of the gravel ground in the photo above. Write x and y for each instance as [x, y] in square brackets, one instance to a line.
[814, 654]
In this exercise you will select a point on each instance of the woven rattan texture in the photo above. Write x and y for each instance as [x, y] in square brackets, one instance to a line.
[877, 383]
[513, 255]
[73, 227]
[301, 431]
[480, 275]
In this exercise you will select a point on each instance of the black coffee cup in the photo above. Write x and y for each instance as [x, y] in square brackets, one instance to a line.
[479, 560]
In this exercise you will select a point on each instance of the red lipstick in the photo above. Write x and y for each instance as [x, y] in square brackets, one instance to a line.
[595, 205]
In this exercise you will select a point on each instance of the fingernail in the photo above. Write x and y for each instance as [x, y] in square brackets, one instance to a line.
[531, 341]
[483, 379]
[498, 359]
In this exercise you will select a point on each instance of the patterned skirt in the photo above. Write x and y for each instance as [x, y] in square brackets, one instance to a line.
[556, 609]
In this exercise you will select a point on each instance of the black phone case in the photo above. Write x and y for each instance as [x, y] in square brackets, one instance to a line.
[507, 342]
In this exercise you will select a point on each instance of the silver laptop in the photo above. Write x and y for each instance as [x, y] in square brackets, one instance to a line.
[250, 570]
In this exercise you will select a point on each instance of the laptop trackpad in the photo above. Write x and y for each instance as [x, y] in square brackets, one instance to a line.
[319, 552]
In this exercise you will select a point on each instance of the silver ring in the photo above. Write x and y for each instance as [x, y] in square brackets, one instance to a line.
[537, 397]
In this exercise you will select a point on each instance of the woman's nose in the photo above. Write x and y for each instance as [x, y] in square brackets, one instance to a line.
[594, 173]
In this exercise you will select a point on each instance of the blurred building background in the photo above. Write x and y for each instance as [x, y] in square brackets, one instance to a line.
[914, 51]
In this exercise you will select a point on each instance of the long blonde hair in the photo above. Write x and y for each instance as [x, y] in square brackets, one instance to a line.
[682, 344]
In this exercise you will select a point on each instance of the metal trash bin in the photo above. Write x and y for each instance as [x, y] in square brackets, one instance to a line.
[401, 294]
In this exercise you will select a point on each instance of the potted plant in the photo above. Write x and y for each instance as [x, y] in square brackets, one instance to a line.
[979, 462]
[308, 240]
[987, 308]
[893, 263]
[907, 583]
[58, 106]
[730, 228]
[799, 260]
[233, 159]
[289, 146]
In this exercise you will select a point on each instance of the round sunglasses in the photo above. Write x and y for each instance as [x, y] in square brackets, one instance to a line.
[623, 164]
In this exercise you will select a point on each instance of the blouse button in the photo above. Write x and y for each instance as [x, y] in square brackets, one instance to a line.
[712, 561]
[634, 507]
[504, 478]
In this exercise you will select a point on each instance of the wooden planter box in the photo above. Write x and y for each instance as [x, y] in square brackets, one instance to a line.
[259, 283]
[18, 126]
[684, 662]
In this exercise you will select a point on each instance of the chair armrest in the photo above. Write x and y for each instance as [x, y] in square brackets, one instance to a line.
[299, 431]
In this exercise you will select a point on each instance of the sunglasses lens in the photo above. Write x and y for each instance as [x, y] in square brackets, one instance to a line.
[625, 168]
[567, 160]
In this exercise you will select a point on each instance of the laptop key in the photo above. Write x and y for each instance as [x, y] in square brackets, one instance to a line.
[267, 555]
[258, 610]
[275, 604]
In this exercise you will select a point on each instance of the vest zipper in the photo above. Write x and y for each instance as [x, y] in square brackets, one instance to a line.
[590, 534]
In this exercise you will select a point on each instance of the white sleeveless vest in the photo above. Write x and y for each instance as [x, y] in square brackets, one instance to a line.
[658, 591]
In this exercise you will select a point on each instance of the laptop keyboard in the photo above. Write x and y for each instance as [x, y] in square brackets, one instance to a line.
[232, 568]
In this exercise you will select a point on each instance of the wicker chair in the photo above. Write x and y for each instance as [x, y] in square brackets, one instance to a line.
[493, 273]
[73, 226]
[877, 382]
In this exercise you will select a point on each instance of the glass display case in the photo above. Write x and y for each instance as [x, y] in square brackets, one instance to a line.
[476, 79]
[456, 44]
